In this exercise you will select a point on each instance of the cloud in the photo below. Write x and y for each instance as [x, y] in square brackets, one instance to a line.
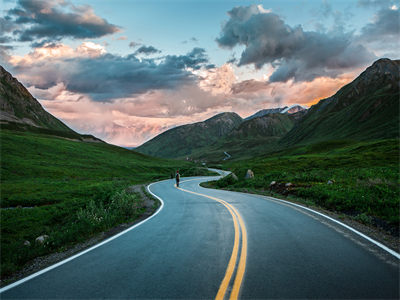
[195, 59]
[386, 23]
[147, 50]
[54, 52]
[134, 44]
[217, 80]
[192, 40]
[89, 70]
[53, 20]
[131, 121]
[248, 86]
[295, 53]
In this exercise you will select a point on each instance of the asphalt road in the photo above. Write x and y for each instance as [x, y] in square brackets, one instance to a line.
[225, 244]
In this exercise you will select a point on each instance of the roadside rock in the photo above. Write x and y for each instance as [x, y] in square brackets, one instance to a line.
[331, 181]
[289, 184]
[27, 243]
[249, 174]
[41, 239]
[272, 183]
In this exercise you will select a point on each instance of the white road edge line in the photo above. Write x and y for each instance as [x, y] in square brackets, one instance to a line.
[394, 253]
[382, 246]
[91, 248]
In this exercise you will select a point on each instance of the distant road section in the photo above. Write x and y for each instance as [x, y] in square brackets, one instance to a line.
[217, 244]
[227, 156]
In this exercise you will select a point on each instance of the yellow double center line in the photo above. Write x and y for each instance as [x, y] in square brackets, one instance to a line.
[237, 223]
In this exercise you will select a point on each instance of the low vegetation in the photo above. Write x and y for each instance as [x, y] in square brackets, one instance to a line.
[68, 190]
[360, 179]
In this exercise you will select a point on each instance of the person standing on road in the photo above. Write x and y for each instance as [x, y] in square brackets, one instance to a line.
[177, 176]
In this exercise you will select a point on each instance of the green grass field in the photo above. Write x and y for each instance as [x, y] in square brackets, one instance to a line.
[365, 178]
[68, 190]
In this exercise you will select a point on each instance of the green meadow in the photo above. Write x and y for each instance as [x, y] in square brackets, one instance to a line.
[364, 178]
[68, 190]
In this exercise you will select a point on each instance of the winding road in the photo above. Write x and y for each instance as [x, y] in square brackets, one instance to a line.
[206, 244]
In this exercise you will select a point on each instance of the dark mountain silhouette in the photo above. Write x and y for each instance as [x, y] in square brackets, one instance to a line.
[19, 110]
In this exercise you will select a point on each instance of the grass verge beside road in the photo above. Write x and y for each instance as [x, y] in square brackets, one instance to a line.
[69, 191]
[358, 179]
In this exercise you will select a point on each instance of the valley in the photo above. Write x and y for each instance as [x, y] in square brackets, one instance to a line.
[340, 154]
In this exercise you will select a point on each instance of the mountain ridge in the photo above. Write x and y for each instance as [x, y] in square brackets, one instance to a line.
[181, 140]
[366, 108]
[19, 110]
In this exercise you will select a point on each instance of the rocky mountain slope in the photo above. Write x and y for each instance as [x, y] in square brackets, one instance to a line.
[283, 110]
[17, 105]
[182, 140]
[264, 112]
[19, 110]
[365, 109]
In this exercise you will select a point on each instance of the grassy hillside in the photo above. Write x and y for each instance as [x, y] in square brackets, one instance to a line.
[68, 190]
[266, 126]
[365, 109]
[364, 178]
[182, 141]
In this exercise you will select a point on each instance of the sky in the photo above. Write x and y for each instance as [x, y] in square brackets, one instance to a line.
[126, 71]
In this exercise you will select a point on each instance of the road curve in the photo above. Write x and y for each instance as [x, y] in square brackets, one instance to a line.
[259, 247]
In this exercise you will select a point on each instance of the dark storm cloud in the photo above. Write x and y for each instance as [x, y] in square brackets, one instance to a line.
[386, 23]
[147, 50]
[108, 76]
[6, 27]
[53, 20]
[195, 59]
[295, 53]
[5, 39]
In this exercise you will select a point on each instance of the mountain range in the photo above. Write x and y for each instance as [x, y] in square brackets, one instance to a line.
[365, 109]
[222, 132]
